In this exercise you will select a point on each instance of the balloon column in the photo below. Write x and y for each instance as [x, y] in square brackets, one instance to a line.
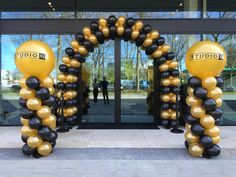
[205, 61]
[36, 60]
[129, 30]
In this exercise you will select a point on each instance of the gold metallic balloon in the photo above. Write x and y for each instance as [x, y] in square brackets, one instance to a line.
[157, 53]
[35, 58]
[173, 98]
[22, 82]
[134, 34]
[120, 30]
[26, 93]
[82, 50]
[154, 34]
[197, 111]
[86, 31]
[175, 81]
[47, 82]
[165, 48]
[187, 127]
[205, 58]
[216, 139]
[165, 114]
[213, 132]
[74, 63]
[44, 112]
[51, 90]
[105, 32]
[165, 82]
[59, 94]
[50, 121]
[27, 131]
[209, 82]
[191, 138]
[69, 111]
[173, 115]
[66, 60]
[69, 78]
[44, 149]
[207, 121]
[218, 102]
[75, 109]
[69, 94]
[138, 25]
[215, 93]
[75, 79]
[24, 121]
[165, 98]
[173, 64]
[147, 42]
[190, 91]
[74, 44]
[102, 22]
[121, 20]
[92, 38]
[34, 141]
[196, 150]
[61, 77]
[163, 67]
[191, 101]
[33, 103]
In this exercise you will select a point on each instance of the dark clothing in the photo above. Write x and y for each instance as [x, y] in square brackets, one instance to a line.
[104, 85]
[95, 95]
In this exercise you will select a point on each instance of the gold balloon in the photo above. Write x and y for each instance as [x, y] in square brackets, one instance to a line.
[121, 20]
[191, 101]
[190, 91]
[147, 42]
[173, 98]
[69, 78]
[82, 50]
[102, 22]
[173, 64]
[213, 132]
[205, 58]
[69, 111]
[218, 102]
[50, 121]
[59, 94]
[44, 149]
[75, 79]
[165, 98]
[34, 103]
[22, 82]
[27, 131]
[34, 141]
[51, 90]
[163, 67]
[26, 93]
[35, 58]
[47, 82]
[165, 48]
[175, 81]
[105, 31]
[92, 38]
[134, 34]
[173, 115]
[138, 25]
[86, 31]
[216, 139]
[165, 82]
[44, 112]
[215, 93]
[74, 44]
[191, 138]
[207, 121]
[24, 121]
[165, 114]
[154, 34]
[69, 94]
[209, 82]
[75, 109]
[157, 53]
[197, 111]
[61, 77]
[120, 30]
[66, 60]
[74, 63]
[187, 127]
[196, 150]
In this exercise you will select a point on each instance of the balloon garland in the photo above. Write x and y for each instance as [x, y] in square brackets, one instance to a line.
[129, 30]
[205, 60]
[36, 60]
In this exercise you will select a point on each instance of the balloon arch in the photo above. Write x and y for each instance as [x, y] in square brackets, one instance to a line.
[36, 60]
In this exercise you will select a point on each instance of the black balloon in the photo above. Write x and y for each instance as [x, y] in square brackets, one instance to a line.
[69, 51]
[79, 57]
[24, 138]
[28, 151]
[149, 50]
[165, 106]
[112, 32]
[209, 104]
[70, 120]
[44, 132]
[22, 102]
[186, 144]
[79, 37]
[32, 82]
[69, 103]
[130, 21]
[140, 39]
[217, 113]
[52, 137]
[214, 150]
[174, 106]
[194, 82]
[191, 120]
[197, 129]
[89, 46]
[165, 123]
[26, 113]
[147, 29]
[160, 41]
[100, 37]
[165, 74]
[63, 68]
[170, 56]
[42, 93]
[94, 26]
[165, 90]
[174, 72]
[61, 85]
[200, 92]
[220, 81]
[53, 144]
[51, 101]
[111, 20]
[217, 121]
[35, 123]
[206, 141]
[71, 70]
[127, 32]
[161, 60]
[69, 86]
[175, 90]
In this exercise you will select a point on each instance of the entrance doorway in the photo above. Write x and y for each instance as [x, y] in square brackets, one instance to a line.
[130, 75]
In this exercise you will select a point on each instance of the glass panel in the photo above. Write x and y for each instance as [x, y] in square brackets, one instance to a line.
[100, 63]
[9, 108]
[37, 15]
[229, 75]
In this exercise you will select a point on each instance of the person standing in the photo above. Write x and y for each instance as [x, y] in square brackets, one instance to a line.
[95, 90]
[104, 87]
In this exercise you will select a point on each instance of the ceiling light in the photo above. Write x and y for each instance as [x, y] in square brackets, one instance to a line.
[53, 9]
[49, 3]
[180, 4]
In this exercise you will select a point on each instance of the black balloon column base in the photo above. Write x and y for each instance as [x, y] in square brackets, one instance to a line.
[176, 130]
[63, 130]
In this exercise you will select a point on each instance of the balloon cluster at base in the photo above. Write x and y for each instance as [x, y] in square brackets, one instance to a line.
[36, 98]
[205, 60]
